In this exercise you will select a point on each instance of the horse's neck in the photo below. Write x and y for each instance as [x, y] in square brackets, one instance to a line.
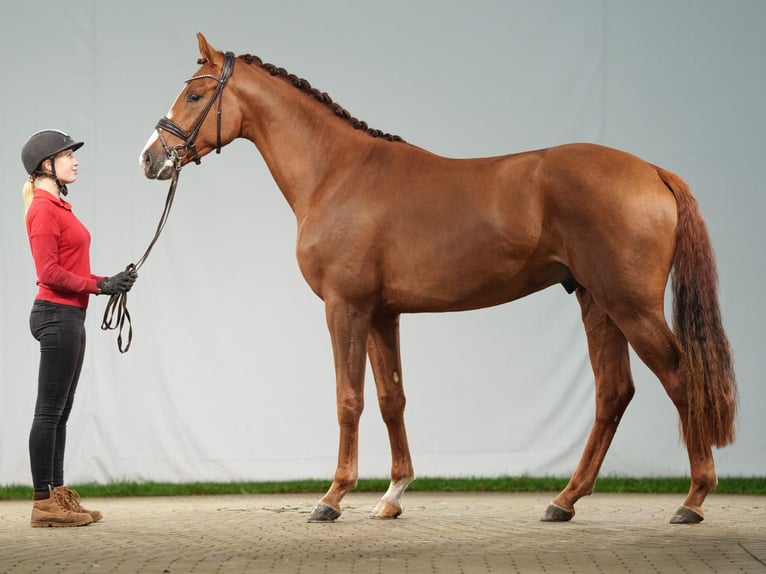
[300, 140]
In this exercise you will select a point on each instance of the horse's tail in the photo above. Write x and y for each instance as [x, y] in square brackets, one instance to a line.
[707, 360]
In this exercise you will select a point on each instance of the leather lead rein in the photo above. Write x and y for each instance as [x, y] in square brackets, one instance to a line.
[116, 312]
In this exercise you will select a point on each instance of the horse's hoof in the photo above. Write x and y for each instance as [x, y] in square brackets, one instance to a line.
[385, 509]
[323, 513]
[685, 515]
[554, 513]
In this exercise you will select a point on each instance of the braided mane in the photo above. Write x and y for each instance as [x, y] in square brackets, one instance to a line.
[323, 97]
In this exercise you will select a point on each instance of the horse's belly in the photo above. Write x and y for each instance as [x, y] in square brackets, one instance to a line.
[462, 289]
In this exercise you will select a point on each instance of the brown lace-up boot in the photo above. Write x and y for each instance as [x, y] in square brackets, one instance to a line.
[54, 511]
[73, 503]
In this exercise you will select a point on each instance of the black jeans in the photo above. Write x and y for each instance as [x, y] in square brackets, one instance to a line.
[60, 329]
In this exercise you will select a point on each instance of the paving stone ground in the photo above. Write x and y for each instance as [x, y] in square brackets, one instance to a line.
[438, 533]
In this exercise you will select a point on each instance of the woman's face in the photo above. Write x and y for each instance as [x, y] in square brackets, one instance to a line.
[66, 166]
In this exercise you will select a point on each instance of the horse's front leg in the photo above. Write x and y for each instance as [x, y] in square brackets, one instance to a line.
[348, 330]
[385, 358]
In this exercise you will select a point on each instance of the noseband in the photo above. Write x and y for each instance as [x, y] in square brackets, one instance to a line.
[179, 152]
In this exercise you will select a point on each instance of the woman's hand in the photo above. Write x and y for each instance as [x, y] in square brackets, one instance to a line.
[118, 283]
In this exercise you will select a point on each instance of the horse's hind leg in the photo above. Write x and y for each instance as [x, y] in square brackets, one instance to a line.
[610, 360]
[383, 351]
[655, 344]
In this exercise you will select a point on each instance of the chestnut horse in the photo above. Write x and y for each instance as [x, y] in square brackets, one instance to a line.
[385, 227]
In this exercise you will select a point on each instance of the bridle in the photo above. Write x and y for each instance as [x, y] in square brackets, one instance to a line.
[116, 311]
[179, 152]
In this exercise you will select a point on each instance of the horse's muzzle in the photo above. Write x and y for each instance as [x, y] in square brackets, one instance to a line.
[156, 167]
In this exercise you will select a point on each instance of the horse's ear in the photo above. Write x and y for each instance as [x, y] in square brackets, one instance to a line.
[207, 52]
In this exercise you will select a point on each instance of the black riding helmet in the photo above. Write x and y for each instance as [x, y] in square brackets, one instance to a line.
[44, 145]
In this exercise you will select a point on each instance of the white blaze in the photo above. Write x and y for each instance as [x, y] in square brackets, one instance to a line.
[154, 137]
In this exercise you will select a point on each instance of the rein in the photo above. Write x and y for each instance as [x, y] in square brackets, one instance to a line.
[116, 313]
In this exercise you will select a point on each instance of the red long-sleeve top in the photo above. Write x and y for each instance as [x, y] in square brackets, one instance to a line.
[61, 250]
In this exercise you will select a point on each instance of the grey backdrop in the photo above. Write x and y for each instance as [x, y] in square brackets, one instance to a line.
[230, 375]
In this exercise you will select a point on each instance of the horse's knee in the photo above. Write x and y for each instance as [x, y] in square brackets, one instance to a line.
[392, 406]
[350, 410]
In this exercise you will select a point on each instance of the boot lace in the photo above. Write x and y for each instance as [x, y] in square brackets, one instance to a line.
[62, 499]
[73, 499]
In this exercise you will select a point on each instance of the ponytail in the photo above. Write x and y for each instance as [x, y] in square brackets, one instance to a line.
[29, 193]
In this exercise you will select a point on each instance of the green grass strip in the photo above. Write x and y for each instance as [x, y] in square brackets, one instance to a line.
[671, 485]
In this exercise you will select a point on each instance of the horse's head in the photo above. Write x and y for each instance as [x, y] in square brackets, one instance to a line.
[198, 122]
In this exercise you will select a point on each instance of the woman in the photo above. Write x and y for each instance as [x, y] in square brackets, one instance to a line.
[61, 251]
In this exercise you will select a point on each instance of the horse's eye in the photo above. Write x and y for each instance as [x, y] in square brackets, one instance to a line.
[193, 97]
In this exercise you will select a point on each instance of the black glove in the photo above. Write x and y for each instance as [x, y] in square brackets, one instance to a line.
[123, 281]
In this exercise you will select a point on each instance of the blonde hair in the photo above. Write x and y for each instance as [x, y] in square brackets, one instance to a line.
[28, 191]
